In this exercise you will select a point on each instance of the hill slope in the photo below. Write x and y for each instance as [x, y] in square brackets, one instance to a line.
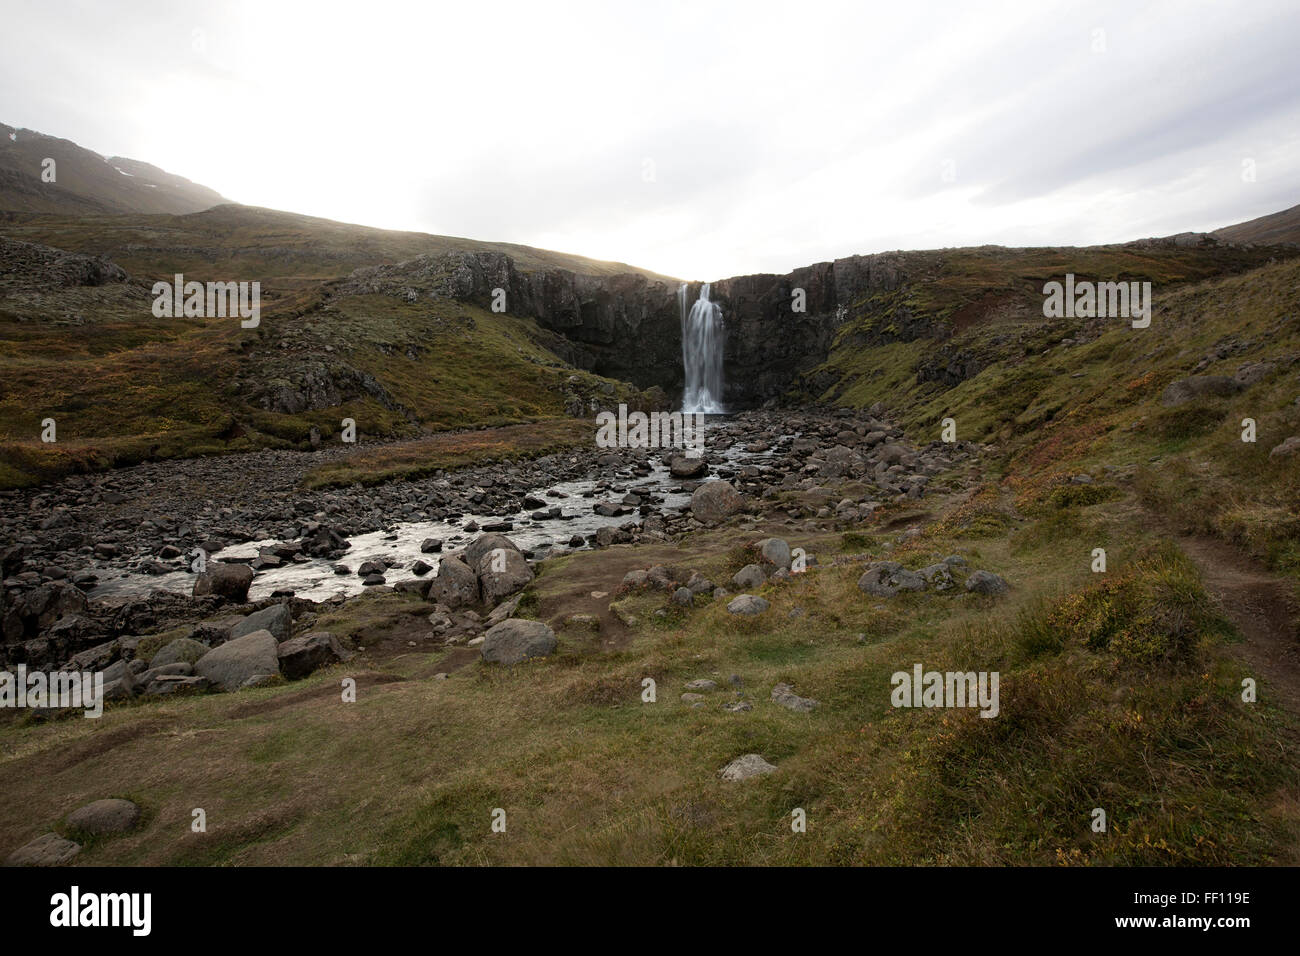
[1281, 226]
[86, 182]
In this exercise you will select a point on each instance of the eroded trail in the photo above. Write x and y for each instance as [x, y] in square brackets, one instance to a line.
[1261, 607]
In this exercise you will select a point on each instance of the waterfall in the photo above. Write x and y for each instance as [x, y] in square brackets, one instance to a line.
[701, 353]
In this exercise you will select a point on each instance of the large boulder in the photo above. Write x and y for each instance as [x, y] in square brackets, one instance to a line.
[939, 576]
[229, 581]
[301, 655]
[775, 551]
[683, 466]
[1199, 386]
[182, 650]
[516, 640]
[986, 582]
[887, 578]
[1252, 373]
[455, 585]
[234, 662]
[105, 817]
[41, 607]
[784, 695]
[716, 501]
[277, 619]
[502, 572]
[95, 658]
[485, 543]
[50, 849]
[747, 605]
[750, 577]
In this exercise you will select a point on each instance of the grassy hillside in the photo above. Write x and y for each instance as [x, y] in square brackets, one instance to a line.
[84, 182]
[1281, 226]
[1120, 691]
[124, 386]
[1059, 397]
[283, 249]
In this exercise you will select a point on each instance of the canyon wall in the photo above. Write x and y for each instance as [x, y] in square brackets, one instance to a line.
[629, 326]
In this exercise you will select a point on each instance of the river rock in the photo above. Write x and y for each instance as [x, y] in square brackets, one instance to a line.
[683, 466]
[183, 649]
[301, 655]
[502, 572]
[39, 609]
[715, 501]
[229, 665]
[276, 618]
[517, 640]
[485, 543]
[228, 581]
[455, 585]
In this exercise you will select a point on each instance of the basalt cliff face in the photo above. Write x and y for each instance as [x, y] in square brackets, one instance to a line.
[780, 330]
[629, 326]
[780, 327]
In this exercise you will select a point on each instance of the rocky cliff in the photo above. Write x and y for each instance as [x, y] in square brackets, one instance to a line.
[629, 326]
[780, 329]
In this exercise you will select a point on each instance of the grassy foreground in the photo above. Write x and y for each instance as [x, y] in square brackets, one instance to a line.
[1118, 691]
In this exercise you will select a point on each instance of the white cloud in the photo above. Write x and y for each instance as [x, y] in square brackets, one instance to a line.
[780, 134]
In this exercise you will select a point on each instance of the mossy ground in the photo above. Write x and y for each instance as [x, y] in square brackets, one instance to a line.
[124, 386]
[1118, 691]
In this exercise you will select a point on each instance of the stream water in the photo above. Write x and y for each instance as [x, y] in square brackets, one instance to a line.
[315, 578]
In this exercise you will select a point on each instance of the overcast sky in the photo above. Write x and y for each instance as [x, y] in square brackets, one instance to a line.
[700, 139]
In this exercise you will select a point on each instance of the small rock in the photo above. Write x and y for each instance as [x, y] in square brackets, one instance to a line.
[1287, 449]
[784, 695]
[745, 767]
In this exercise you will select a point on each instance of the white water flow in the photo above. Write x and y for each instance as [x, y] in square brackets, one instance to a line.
[701, 353]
